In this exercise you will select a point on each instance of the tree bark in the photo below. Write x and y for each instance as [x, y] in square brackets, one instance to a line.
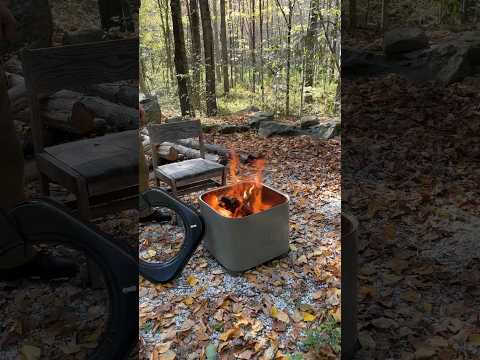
[223, 33]
[196, 51]
[310, 42]
[181, 64]
[353, 13]
[252, 45]
[209, 58]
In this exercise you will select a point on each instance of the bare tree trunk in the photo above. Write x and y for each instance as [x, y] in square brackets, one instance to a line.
[196, 52]
[385, 7]
[260, 5]
[252, 46]
[181, 64]
[165, 25]
[223, 36]
[310, 42]
[216, 37]
[353, 13]
[209, 58]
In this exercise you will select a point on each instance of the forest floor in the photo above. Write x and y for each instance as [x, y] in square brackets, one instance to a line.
[419, 219]
[287, 306]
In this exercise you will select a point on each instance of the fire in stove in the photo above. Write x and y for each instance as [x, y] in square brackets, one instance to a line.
[245, 197]
[246, 223]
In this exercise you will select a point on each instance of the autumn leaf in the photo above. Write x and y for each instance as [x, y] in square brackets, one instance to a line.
[31, 352]
[169, 355]
[163, 347]
[337, 314]
[307, 317]
[474, 339]
[231, 333]
[280, 315]
[192, 280]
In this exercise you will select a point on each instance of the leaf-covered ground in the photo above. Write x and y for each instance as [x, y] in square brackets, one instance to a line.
[287, 306]
[410, 174]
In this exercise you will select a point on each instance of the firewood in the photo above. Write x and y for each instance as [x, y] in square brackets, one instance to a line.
[190, 153]
[167, 152]
[116, 92]
[217, 149]
[119, 117]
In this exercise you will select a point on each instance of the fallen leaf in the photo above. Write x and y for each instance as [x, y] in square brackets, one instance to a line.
[279, 314]
[231, 333]
[192, 280]
[169, 355]
[307, 317]
[31, 352]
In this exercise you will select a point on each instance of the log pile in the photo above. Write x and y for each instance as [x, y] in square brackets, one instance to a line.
[190, 149]
[97, 109]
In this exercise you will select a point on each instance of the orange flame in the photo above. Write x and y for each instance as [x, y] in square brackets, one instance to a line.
[244, 197]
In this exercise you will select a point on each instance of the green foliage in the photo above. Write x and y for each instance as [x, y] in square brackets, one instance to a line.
[327, 334]
[160, 78]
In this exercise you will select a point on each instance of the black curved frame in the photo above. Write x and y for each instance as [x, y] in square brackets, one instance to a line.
[194, 230]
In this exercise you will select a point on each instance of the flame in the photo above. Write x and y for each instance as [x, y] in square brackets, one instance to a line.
[245, 196]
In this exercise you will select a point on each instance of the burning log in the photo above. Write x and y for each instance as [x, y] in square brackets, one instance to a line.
[235, 206]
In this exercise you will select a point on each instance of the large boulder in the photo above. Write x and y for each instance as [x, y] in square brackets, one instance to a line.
[454, 59]
[308, 121]
[259, 117]
[230, 128]
[34, 23]
[270, 128]
[325, 131]
[403, 40]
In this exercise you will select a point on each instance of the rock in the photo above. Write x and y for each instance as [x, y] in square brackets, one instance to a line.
[208, 128]
[152, 109]
[176, 119]
[260, 117]
[83, 36]
[324, 131]
[455, 59]
[308, 121]
[458, 58]
[34, 23]
[230, 129]
[270, 128]
[402, 40]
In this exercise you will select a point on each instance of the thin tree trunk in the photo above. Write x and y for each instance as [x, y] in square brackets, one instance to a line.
[260, 4]
[196, 52]
[181, 64]
[223, 36]
[353, 13]
[216, 37]
[310, 42]
[252, 46]
[209, 58]
[165, 25]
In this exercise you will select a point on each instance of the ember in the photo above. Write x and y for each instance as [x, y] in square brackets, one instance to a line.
[245, 197]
